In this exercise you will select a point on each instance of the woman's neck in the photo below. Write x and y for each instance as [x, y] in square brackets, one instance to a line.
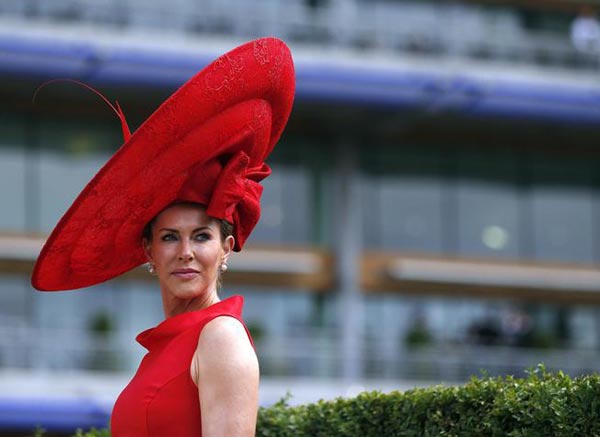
[173, 306]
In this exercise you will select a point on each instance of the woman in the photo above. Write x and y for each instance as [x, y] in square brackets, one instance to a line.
[182, 193]
[215, 369]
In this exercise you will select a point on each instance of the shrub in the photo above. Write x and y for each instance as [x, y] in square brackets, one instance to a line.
[542, 404]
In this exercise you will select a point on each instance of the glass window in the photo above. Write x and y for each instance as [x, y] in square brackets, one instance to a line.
[487, 202]
[410, 214]
[12, 173]
[12, 189]
[15, 336]
[584, 324]
[403, 194]
[488, 219]
[296, 205]
[286, 215]
[562, 210]
[563, 222]
[14, 298]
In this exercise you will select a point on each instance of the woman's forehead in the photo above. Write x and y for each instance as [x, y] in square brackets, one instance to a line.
[184, 215]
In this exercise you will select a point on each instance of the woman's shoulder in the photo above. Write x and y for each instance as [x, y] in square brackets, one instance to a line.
[225, 350]
[222, 330]
[225, 342]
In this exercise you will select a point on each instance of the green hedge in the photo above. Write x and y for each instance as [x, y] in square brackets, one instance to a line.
[542, 404]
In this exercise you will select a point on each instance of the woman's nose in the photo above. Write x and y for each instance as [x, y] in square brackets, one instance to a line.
[186, 253]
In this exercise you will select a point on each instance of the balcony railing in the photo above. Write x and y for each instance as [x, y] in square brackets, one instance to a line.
[316, 353]
[449, 29]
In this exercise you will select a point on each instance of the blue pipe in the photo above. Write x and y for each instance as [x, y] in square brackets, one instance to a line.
[320, 82]
[51, 414]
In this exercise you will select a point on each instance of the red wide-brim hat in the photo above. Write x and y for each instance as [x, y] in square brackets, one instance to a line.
[206, 143]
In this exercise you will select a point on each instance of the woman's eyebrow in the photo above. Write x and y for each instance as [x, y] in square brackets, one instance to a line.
[201, 228]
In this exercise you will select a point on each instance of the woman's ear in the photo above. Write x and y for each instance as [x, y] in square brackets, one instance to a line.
[228, 245]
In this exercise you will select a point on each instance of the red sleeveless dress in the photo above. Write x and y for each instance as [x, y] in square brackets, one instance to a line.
[162, 400]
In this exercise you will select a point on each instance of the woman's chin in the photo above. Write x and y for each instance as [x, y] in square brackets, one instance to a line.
[186, 289]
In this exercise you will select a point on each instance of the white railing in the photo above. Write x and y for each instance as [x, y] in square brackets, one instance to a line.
[22, 346]
[316, 354]
[313, 354]
[439, 28]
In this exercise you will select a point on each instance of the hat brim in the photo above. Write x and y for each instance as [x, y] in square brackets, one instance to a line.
[240, 102]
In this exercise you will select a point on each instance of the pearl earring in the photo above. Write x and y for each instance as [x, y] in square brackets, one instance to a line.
[151, 268]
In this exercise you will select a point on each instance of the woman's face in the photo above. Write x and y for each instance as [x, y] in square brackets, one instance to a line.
[187, 251]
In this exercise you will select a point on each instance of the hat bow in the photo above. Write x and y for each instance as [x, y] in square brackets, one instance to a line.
[233, 195]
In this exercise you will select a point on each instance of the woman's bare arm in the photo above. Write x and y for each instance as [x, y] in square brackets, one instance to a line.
[225, 369]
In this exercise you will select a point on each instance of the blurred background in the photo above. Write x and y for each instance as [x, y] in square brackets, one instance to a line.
[434, 208]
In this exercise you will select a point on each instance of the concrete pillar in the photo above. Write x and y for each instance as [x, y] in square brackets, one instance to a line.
[348, 245]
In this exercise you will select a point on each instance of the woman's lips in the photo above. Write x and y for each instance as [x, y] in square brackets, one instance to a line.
[185, 273]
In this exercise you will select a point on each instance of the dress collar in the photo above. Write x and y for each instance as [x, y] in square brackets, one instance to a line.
[169, 328]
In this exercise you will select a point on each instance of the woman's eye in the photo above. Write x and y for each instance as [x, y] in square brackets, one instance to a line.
[168, 237]
[203, 236]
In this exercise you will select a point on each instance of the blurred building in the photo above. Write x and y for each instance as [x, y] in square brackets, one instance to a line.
[434, 207]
